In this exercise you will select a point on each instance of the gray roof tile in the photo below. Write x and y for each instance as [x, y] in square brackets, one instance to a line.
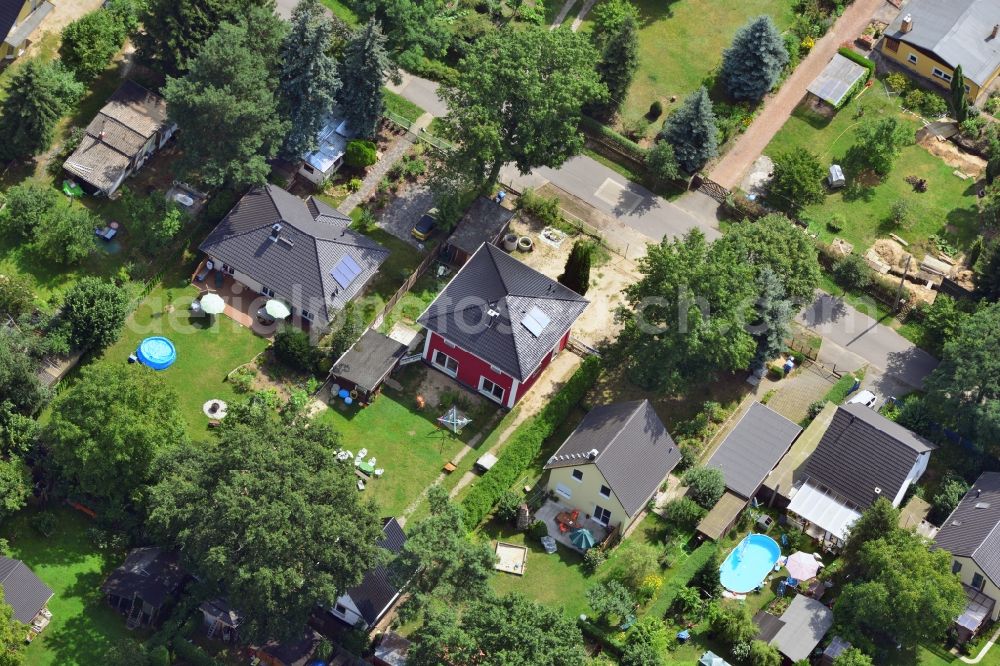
[369, 359]
[377, 589]
[492, 279]
[861, 451]
[634, 450]
[973, 528]
[297, 268]
[752, 449]
[22, 589]
[482, 223]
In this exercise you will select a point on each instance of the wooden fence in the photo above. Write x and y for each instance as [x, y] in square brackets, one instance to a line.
[406, 286]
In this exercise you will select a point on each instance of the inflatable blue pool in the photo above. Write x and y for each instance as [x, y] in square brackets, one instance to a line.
[157, 352]
[749, 563]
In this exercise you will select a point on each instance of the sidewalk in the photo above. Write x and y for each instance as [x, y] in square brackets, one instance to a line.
[730, 169]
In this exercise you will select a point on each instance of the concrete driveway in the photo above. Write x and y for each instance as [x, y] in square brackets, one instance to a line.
[857, 336]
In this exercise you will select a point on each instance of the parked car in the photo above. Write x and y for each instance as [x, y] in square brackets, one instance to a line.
[426, 226]
[866, 398]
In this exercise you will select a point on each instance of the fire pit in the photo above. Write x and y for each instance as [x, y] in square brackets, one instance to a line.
[215, 409]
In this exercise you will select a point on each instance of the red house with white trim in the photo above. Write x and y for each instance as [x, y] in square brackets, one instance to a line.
[498, 324]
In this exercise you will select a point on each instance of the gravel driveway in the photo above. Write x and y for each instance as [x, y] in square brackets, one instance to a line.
[403, 212]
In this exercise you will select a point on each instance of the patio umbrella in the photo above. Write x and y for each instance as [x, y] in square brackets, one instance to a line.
[802, 566]
[583, 538]
[212, 304]
[277, 309]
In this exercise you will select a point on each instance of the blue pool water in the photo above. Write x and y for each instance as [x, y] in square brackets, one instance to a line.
[157, 352]
[748, 564]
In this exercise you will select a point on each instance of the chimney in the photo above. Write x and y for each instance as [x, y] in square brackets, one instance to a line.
[996, 29]
[979, 492]
[907, 24]
[592, 454]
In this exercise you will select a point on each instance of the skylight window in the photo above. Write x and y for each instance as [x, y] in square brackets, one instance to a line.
[535, 321]
[345, 272]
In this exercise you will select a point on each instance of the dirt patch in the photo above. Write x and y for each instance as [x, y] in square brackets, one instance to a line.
[890, 252]
[437, 388]
[954, 156]
[867, 178]
[65, 12]
[607, 280]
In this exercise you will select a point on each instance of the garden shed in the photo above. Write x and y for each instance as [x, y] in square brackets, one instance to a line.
[836, 82]
[366, 364]
[485, 222]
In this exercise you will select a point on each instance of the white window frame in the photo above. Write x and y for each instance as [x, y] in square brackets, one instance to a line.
[489, 392]
[912, 59]
[574, 475]
[267, 291]
[226, 268]
[603, 494]
[565, 491]
[340, 609]
[448, 343]
[444, 367]
[308, 316]
[941, 74]
[601, 511]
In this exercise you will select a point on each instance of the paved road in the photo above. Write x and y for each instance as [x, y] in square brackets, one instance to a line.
[857, 335]
[777, 108]
[628, 202]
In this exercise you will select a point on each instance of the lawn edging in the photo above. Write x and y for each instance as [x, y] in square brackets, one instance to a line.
[526, 443]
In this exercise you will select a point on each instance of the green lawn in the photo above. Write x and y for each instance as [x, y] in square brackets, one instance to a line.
[205, 353]
[681, 42]
[341, 11]
[407, 442]
[400, 106]
[947, 208]
[83, 626]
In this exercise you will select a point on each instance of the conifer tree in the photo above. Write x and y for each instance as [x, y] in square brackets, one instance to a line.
[576, 275]
[959, 99]
[691, 130]
[616, 38]
[37, 96]
[752, 65]
[366, 66]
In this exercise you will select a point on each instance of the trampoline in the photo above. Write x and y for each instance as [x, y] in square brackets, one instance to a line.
[157, 353]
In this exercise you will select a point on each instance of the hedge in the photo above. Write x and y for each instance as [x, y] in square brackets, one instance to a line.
[626, 145]
[685, 572]
[854, 56]
[526, 444]
[191, 654]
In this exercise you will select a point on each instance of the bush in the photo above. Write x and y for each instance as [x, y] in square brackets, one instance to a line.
[193, 655]
[508, 506]
[733, 624]
[545, 209]
[763, 654]
[354, 184]
[853, 272]
[900, 213]
[661, 163]
[360, 154]
[526, 443]
[655, 110]
[538, 529]
[707, 485]
[634, 564]
[915, 99]
[815, 408]
[836, 223]
[17, 295]
[684, 513]
[934, 106]
[593, 559]
[242, 379]
[610, 600]
[294, 348]
[898, 82]
[947, 498]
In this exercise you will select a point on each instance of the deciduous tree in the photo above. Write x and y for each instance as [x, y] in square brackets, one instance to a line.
[852, 657]
[763, 654]
[365, 68]
[112, 457]
[661, 163]
[752, 65]
[17, 294]
[692, 131]
[89, 43]
[878, 143]
[646, 644]
[228, 106]
[879, 519]
[26, 206]
[94, 312]
[38, 94]
[798, 180]
[415, 28]
[706, 485]
[67, 235]
[268, 517]
[12, 635]
[15, 485]
[611, 600]
[518, 99]
[616, 39]
[733, 623]
[309, 78]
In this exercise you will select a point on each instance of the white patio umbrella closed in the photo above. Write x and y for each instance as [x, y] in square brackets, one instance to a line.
[277, 309]
[212, 304]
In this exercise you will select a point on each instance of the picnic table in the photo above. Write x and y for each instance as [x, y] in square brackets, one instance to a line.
[568, 518]
[365, 467]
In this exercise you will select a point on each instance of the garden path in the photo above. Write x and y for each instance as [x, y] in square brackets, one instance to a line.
[778, 107]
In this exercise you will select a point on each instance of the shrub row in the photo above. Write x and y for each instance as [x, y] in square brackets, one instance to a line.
[685, 572]
[623, 143]
[854, 56]
[191, 654]
[526, 443]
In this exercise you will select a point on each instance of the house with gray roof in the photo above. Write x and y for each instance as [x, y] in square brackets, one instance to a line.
[145, 586]
[299, 251]
[861, 457]
[22, 589]
[799, 629]
[930, 38]
[18, 20]
[613, 463]
[120, 139]
[367, 602]
[498, 324]
[748, 454]
[972, 535]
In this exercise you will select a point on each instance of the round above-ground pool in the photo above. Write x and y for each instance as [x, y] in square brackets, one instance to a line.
[157, 352]
[748, 564]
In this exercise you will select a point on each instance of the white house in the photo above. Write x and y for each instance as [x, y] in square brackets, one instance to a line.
[328, 157]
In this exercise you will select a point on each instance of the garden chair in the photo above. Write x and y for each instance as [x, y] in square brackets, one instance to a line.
[378, 473]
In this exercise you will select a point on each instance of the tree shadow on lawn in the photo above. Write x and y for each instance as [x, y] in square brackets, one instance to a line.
[87, 638]
[817, 121]
[496, 531]
[650, 11]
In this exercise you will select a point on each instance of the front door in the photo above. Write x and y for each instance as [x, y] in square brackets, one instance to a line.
[602, 515]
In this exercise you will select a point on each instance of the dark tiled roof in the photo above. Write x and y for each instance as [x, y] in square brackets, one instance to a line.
[752, 449]
[221, 609]
[861, 451]
[377, 590]
[294, 653]
[313, 240]
[150, 573]
[22, 589]
[634, 450]
[482, 223]
[117, 134]
[369, 359]
[973, 528]
[492, 279]
[9, 9]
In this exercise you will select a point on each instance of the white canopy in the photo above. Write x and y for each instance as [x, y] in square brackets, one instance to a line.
[823, 509]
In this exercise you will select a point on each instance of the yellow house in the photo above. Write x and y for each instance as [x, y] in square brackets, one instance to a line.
[18, 19]
[972, 535]
[930, 38]
[613, 463]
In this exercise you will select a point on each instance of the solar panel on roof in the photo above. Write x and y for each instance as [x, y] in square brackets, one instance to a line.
[346, 271]
[535, 321]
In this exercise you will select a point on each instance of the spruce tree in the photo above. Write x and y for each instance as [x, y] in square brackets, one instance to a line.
[959, 99]
[753, 63]
[691, 130]
[576, 275]
[37, 96]
[774, 314]
[366, 65]
[616, 39]
[309, 78]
